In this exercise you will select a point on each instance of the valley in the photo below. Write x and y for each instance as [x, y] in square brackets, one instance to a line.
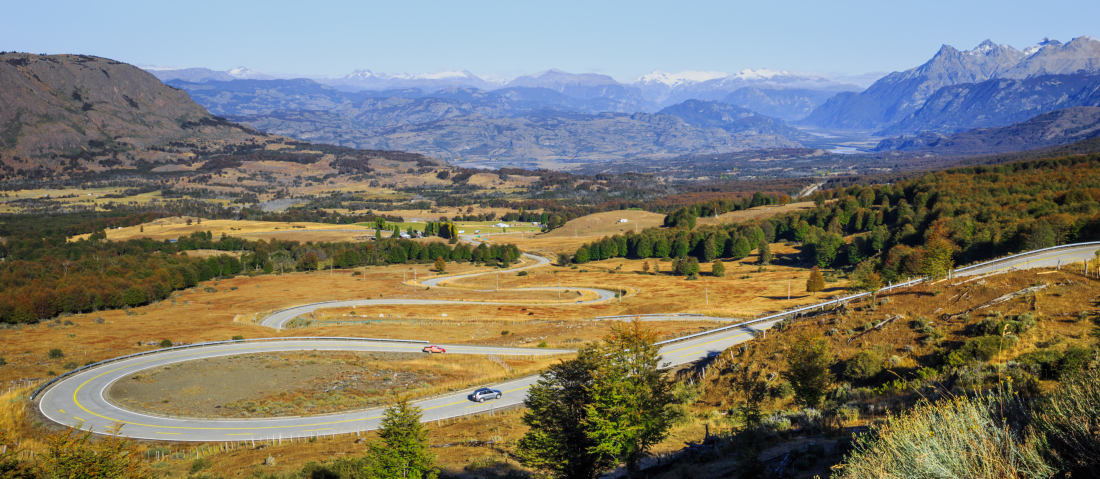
[558, 266]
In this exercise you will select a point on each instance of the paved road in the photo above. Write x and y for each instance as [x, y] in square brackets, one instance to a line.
[281, 318]
[1048, 259]
[80, 399]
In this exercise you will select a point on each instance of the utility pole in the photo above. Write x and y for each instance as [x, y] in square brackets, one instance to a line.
[706, 291]
[788, 290]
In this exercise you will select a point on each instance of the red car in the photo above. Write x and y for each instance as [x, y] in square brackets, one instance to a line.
[434, 349]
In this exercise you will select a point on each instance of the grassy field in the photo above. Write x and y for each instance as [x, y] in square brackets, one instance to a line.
[759, 212]
[486, 227]
[310, 382]
[175, 227]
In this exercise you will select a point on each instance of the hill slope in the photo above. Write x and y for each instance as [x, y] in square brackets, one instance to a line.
[1058, 127]
[56, 110]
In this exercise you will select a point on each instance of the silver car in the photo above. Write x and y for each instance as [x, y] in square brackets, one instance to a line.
[482, 394]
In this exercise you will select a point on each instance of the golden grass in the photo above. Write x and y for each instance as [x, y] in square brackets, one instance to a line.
[175, 227]
[759, 212]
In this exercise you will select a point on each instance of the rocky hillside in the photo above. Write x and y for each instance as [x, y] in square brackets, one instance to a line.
[1059, 127]
[74, 112]
[998, 102]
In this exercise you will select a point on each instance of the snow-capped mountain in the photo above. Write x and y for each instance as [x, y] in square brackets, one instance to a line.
[368, 80]
[1051, 57]
[676, 79]
[670, 88]
[991, 85]
[200, 75]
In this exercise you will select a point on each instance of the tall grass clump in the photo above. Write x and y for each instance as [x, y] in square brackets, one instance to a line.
[955, 438]
[1070, 419]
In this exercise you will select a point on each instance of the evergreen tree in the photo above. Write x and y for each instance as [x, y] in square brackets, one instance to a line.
[816, 281]
[718, 269]
[765, 253]
[629, 412]
[709, 252]
[558, 442]
[581, 255]
[690, 267]
[740, 248]
[403, 451]
[808, 363]
[662, 249]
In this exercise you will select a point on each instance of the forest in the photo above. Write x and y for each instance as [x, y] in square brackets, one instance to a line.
[976, 213]
[45, 275]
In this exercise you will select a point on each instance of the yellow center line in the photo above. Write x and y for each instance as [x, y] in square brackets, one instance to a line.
[517, 389]
[62, 411]
[442, 405]
[706, 343]
[78, 419]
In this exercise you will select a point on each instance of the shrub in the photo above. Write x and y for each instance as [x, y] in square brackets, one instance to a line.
[71, 365]
[782, 390]
[543, 345]
[166, 343]
[198, 465]
[56, 354]
[1046, 359]
[960, 437]
[983, 348]
[238, 338]
[1075, 359]
[1069, 418]
[864, 365]
[521, 273]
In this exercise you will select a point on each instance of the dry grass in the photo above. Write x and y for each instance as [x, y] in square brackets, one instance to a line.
[194, 315]
[350, 381]
[174, 227]
[760, 212]
[1056, 309]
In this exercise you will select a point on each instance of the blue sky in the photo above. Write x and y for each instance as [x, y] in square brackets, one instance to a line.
[508, 38]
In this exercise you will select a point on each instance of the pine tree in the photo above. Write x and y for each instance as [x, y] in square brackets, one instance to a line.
[816, 282]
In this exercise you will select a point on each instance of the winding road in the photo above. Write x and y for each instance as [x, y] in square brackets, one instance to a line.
[80, 399]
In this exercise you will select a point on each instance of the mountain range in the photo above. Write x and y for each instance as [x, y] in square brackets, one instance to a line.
[990, 85]
[786, 95]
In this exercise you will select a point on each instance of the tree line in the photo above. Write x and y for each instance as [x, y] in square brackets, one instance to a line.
[920, 226]
[43, 276]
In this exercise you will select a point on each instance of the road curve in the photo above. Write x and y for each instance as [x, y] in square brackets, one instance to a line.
[80, 400]
[279, 319]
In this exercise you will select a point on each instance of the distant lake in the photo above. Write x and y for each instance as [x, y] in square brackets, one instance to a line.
[844, 150]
